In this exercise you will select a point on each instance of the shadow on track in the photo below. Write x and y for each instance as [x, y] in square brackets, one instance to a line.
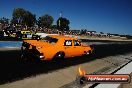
[12, 69]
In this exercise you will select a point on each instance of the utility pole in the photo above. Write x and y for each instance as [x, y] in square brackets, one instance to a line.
[60, 23]
[60, 17]
[61, 14]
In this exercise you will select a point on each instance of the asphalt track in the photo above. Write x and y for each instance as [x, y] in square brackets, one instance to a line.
[11, 69]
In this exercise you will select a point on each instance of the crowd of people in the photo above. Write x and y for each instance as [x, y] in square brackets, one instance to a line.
[10, 29]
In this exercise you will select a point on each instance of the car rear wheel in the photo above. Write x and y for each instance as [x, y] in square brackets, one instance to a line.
[23, 57]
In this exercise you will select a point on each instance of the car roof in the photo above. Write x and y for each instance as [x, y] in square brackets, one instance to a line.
[61, 36]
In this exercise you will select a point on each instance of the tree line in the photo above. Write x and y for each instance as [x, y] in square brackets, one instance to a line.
[22, 17]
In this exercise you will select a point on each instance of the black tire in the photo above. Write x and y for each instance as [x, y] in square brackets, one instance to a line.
[59, 56]
[24, 57]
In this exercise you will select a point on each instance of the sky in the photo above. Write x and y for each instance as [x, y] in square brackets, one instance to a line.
[108, 16]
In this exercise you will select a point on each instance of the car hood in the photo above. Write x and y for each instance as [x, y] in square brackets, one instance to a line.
[84, 45]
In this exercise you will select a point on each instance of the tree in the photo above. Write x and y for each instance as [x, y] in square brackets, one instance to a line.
[22, 17]
[45, 21]
[54, 26]
[29, 19]
[18, 16]
[63, 24]
[3, 23]
[39, 22]
[4, 20]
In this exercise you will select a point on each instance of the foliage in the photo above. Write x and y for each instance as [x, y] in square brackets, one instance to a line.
[22, 17]
[54, 26]
[4, 20]
[45, 21]
[63, 24]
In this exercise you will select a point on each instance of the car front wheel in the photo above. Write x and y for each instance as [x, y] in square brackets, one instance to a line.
[87, 52]
[59, 56]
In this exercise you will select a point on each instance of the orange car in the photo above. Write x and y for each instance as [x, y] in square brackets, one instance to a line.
[54, 47]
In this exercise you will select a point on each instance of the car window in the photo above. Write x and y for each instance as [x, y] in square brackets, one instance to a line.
[50, 40]
[28, 33]
[68, 43]
[77, 43]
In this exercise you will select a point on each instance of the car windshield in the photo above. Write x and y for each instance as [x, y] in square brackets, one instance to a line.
[77, 43]
[28, 33]
[50, 40]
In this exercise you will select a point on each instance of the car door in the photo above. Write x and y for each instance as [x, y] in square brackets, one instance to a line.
[77, 48]
[68, 48]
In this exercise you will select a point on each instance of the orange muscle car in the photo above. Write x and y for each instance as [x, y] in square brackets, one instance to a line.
[54, 47]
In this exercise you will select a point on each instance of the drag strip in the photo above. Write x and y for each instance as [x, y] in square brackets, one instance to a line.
[12, 69]
[111, 66]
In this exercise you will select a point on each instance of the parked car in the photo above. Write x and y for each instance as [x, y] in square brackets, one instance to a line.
[26, 34]
[54, 47]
